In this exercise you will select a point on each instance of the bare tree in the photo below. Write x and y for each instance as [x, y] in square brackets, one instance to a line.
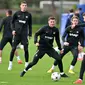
[53, 8]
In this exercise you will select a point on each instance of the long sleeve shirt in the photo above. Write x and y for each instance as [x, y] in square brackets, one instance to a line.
[6, 24]
[22, 23]
[74, 36]
[47, 35]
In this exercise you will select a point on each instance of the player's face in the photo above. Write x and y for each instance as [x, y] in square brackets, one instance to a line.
[84, 18]
[23, 7]
[51, 23]
[75, 21]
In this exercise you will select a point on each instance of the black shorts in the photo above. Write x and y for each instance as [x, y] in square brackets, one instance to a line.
[23, 39]
[4, 41]
[50, 52]
[73, 49]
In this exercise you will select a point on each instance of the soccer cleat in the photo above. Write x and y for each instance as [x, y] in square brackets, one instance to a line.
[71, 72]
[50, 71]
[22, 73]
[19, 61]
[79, 81]
[63, 75]
[10, 67]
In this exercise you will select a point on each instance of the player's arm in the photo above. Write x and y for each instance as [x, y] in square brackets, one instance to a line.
[64, 36]
[1, 24]
[81, 37]
[13, 24]
[81, 41]
[81, 25]
[39, 32]
[30, 25]
[57, 39]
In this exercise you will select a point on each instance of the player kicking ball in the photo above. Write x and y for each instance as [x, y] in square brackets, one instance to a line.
[45, 45]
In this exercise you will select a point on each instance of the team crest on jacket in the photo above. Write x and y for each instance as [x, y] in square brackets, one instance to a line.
[53, 32]
[77, 31]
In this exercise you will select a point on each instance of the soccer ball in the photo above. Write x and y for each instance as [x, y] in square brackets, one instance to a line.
[55, 76]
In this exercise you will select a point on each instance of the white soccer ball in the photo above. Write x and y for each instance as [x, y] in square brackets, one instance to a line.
[55, 76]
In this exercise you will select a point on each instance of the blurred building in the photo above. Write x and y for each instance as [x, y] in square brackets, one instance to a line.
[46, 6]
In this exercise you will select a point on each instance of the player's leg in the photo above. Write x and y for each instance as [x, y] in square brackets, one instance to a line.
[16, 52]
[2, 44]
[58, 59]
[14, 45]
[82, 70]
[66, 50]
[39, 54]
[24, 41]
[75, 55]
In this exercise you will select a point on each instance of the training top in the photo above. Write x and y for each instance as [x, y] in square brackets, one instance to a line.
[6, 23]
[73, 36]
[47, 35]
[22, 23]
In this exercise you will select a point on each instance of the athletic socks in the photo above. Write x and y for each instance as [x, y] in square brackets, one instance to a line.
[53, 67]
[71, 67]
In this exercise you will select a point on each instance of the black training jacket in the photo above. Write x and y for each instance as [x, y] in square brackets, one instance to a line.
[6, 23]
[22, 23]
[73, 36]
[47, 35]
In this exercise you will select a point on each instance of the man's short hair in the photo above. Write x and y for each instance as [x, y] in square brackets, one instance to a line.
[51, 17]
[23, 2]
[74, 16]
[9, 11]
[71, 10]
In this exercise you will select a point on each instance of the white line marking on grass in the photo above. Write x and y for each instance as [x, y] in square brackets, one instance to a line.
[3, 82]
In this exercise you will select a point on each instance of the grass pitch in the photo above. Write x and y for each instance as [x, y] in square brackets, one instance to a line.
[38, 75]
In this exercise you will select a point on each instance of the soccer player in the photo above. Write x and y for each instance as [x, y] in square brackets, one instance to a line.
[74, 37]
[82, 69]
[7, 34]
[21, 24]
[45, 45]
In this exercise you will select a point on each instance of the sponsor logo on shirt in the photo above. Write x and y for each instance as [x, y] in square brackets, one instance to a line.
[22, 21]
[71, 34]
[26, 16]
[47, 37]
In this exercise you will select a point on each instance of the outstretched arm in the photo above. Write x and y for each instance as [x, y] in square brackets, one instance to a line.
[57, 38]
[39, 32]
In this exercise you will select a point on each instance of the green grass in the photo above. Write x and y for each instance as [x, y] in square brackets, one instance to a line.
[38, 75]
